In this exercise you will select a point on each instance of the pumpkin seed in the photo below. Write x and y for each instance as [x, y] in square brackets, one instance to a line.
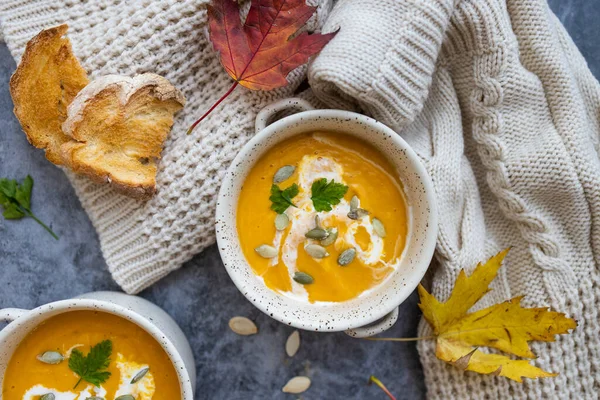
[138, 377]
[317, 233]
[317, 221]
[94, 398]
[281, 221]
[346, 257]
[332, 234]
[266, 251]
[48, 396]
[283, 173]
[379, 228]
[353, 203]
[242, 326]
[316, 251]
[292, 344]
[125, 397]
[358, 213]
[303, 278]
[51, 357]
[299, 384]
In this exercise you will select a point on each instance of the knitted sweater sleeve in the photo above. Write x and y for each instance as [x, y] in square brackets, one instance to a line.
[503, 111]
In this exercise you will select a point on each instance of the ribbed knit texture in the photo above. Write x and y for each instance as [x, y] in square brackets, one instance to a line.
[143, 242]
[492, 94]
[501, 107]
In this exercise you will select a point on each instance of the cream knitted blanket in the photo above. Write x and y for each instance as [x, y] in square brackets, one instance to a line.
[143, 242]
[499, 104]
[492, 94]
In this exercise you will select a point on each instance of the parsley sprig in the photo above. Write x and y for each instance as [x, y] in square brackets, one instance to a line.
[92, 368]
[325, 194]
[15, 199]
[282, 199]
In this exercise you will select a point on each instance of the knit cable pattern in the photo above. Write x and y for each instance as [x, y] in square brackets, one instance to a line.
[498, 103]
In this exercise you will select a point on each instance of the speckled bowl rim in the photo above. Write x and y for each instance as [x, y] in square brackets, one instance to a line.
[303, 315]
[64, 306]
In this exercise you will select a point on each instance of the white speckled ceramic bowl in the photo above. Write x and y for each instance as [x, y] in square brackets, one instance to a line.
[354, 316]
[135, 309]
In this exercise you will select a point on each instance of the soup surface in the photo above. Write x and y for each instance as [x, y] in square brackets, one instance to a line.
[360, 231]
[133, 351]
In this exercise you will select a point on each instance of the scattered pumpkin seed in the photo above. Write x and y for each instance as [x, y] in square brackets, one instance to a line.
[48, 396]
[317, 221]
[332, 234]
[51, 357]
[299, 384]
[303, 278]
[281, 221]
[138, 377]
[266, 251]
[316, 251]
[94, 398]
[354, 203]
[283, 173]
[379, 228]
[346, 257]
[125, 397]
[316, 233]
[243, 326]
[358, 213]
[292, 344]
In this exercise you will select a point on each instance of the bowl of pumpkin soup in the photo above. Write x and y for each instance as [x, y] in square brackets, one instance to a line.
[326, 220]
[101, 346]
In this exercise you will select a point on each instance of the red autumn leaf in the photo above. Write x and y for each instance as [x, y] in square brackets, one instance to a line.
[260, 54]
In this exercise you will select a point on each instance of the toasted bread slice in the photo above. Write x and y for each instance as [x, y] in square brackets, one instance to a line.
[44, 84]
[119, 125]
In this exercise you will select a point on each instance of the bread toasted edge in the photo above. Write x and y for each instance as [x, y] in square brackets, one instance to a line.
[17, 81]
[124, 88]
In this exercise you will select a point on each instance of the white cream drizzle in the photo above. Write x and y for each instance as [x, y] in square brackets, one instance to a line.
[39, 390]
[302, 219]
[142, 390]
[70, 350]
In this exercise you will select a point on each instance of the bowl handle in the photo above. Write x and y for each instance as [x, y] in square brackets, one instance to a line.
[262, 119]
[380, 326]
[10, 314]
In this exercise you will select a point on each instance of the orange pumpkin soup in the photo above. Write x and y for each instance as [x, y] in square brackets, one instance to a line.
[322, 217]
[138, 365]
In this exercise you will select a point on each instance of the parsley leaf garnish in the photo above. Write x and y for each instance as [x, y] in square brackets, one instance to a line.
[325, 194]
[282, 199]
[92, 368]
[15, 200]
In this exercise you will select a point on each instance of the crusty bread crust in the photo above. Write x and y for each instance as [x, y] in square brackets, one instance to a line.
[111, 130]
[47, 79]
[118, 126]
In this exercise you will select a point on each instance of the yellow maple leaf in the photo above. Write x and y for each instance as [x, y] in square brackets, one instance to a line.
[506, 326]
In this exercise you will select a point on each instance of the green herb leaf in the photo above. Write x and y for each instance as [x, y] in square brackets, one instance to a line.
[8, 187]
[12, 211]
[92, 368]
[325, 194]
[23, 192]
[15, 199]
[282, 199]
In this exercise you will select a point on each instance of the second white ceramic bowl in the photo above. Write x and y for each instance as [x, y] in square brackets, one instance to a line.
[352, 315]
[141, 312]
